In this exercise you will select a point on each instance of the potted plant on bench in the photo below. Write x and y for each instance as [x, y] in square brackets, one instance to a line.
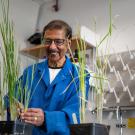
[100, 80]
[9, 74]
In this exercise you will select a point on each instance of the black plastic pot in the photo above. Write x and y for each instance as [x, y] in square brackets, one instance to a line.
[15, 127]
[89, 129]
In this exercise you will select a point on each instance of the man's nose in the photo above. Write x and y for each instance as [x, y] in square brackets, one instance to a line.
[53, 45]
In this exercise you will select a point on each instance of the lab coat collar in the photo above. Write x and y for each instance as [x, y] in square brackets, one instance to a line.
[44, 71]
[65, 71]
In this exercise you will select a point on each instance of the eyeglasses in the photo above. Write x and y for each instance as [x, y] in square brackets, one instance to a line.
[48, 41]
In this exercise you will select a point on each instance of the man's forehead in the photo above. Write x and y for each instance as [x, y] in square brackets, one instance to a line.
[60, 32]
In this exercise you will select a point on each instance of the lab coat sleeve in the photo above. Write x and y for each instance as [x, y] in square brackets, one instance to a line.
[57, 121]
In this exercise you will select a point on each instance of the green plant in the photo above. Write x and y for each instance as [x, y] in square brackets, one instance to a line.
[101, 66]
[99, 73]
[10, 85]
[9, 56]
[82, 77]
[100, 81]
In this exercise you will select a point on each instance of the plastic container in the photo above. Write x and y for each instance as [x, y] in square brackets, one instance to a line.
[15, 127]
[89, 129]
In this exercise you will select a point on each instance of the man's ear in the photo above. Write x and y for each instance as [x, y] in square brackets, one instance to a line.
[69, 43]
[69, 46]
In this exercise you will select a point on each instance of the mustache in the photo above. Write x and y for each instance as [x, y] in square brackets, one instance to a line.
[53, 51]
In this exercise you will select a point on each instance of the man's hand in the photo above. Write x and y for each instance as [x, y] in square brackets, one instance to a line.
[33, 116]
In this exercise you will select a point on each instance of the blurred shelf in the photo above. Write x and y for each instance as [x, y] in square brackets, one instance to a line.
[35, 52]
[38, 52]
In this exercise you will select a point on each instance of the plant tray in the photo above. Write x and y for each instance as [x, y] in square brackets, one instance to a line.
[15, 127]
[89, 129]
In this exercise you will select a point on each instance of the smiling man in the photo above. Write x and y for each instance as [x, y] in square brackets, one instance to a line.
[56, 43]
[55, 85]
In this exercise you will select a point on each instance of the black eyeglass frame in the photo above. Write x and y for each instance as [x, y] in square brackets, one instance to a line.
[57, 42]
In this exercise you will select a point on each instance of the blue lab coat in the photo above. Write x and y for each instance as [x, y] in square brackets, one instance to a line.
[59, 100]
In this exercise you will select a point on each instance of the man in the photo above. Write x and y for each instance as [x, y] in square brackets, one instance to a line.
[54, 85]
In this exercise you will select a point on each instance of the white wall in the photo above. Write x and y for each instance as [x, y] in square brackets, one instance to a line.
[24, 15]
[78, 12]
[83, 12]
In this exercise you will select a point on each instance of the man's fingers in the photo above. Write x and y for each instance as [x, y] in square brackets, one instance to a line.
[33, 110]
[27, 114]
[33, 116]
[29, 118]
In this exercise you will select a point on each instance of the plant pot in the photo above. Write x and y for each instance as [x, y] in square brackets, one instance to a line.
[89, 129]
[15, 127]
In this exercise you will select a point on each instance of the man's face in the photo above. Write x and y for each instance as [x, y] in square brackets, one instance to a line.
[55, 44]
